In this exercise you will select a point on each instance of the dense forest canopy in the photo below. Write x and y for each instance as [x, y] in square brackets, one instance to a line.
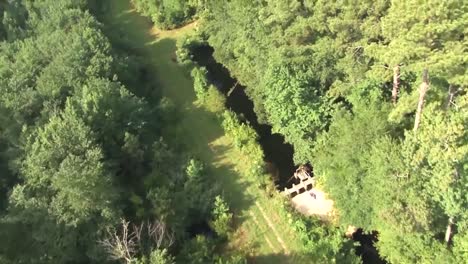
[341, 81]
[372, 94]
[80, 150]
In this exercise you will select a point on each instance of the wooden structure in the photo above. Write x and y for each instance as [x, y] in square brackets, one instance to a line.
[302, 173]
[306, 198]
[296, 188]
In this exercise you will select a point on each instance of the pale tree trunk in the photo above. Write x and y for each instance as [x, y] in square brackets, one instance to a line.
[422, 93]
[451, 94]
[448, 232]
[396, 83]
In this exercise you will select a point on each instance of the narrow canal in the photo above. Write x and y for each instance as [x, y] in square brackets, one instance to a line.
[278, 153]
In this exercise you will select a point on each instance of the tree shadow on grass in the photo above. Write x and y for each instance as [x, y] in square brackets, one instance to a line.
[230, 179]
[193, 130]
[198, 131]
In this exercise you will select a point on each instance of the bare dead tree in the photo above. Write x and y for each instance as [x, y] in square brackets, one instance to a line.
[396, 83]
[157, 233]
[125, 242]
[451, 95]
[120, 245]
[422, 93]
[137, 230]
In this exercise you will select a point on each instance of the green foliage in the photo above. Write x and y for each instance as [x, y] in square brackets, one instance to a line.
[207, 94]
[245, 139]
[430, 179]
[321, 74]
[199, 250]
[186, 45]
[221, 217]
[323, 243]
[215, 100]
[157, 257]
[293, 109]
[431, 36]
[200, 83]
[197, 187]
[78, 150]
[38, 82]
[64, 174]
[12, 17]
[167, 13]
[334, 164]
[237, 259]
[81, 119]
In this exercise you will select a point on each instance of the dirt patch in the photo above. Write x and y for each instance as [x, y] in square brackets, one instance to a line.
[173, 33]
[314, 202]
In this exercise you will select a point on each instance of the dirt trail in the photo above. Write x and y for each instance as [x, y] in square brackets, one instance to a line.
[272, 227]
[173, 33]
[266, 238]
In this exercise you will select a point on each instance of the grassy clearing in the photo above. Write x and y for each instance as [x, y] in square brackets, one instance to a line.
[200, 132]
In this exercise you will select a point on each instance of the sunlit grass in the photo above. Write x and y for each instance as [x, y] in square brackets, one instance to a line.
[201, 134]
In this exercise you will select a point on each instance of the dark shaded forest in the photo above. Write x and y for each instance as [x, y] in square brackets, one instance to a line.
[372, 94]
[85, 174]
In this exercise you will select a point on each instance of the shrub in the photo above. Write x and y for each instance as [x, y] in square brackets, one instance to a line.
[245, 140]
[157, 256]
[221, 217]
[215, 101]
[200, 83]
[207, 95]
[186, 45]
[167, 14]
[199, 250]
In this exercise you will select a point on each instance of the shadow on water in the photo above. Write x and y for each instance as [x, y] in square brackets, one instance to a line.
[278, 154]
[367, 249]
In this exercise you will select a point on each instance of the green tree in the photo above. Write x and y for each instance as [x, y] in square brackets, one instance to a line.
[294, 108]
[429, 36]
[157, 257]
[64, 174]
[341, 159]
[196, 187]
[198, 250]
[168, 13]
[430, 188]
[221, 217]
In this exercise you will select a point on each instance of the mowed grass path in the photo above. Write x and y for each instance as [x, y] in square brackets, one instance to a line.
[200, 133]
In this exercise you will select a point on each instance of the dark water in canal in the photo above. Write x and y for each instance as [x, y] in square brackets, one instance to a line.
[278, 154]
[367, 249]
